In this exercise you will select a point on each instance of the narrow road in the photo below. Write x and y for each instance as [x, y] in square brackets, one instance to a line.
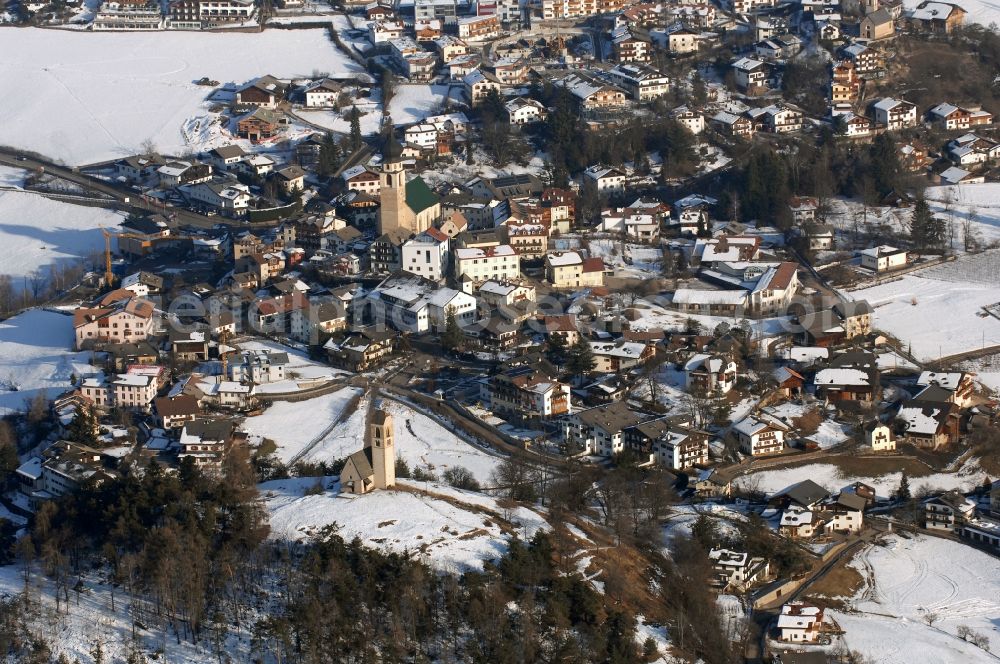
[30, 162]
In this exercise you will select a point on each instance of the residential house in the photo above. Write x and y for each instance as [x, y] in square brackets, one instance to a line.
[620, 355]
[524, 110]
[880, 437]
[473, 267]
[173, 412]
[751, 75]
[591, 95]
[362, 350]
[759, 437]
[604, 179]
[427, 255]
[883, 258]
[525, 394]
[127, 321]
[569, 269]
[478, 84]
[410, 303]
[736, 569]
[205, 442]
[800, 622]
[667, 444]
[936, 17]
[264, 92]
[959, 387]
[929, 424]
[950, 117]
[948, 512]
[226, 157]
[710, 374]
[894, 114]
[600, 430]
[322, 93]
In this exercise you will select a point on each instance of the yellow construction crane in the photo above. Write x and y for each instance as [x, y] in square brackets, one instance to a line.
[109, 276]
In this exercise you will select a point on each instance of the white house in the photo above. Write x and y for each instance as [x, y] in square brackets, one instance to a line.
[524, 110]
[605, 179]
[736, 568]
[800, 622]
[759, 437]
[476, 265]
[321, 94]
[422, 135]
[427, 255]
[883, 258]
[895, 114]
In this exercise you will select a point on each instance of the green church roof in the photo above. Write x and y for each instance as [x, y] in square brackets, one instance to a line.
[419, 196]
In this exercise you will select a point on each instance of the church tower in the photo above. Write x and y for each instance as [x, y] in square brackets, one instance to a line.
[383, 450]
[393, 211]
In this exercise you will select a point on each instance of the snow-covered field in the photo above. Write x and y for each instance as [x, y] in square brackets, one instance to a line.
[98, 96]
[35, 355]
[915, 309]
[36, 232]
[420, 440]
[457, 533]
[831, 478]
[410, 103]
[292, 431]
[909, 578]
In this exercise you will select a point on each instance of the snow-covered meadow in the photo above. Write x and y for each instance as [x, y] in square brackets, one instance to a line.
[833, 479]
[456, 530]
[420, 441]
[939, 311]
[410, 103]
[99, 96]
[36, 355]
[37, 233]
[908, 578]
[293, 426]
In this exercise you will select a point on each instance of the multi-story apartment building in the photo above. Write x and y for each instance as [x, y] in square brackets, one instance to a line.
[475, 266]
[527, 395]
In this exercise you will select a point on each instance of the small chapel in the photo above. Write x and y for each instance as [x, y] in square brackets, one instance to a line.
[373, 466]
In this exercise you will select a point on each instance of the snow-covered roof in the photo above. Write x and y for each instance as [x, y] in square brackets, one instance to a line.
[747, 64]
[947, 380]
[846, 377]
[928, 11]
[469, 253]
[563, 258]
[708, 297]
[921, 419]
[796, 516]
[627, 349]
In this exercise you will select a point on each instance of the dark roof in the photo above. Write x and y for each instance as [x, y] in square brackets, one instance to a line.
[851, 501]
[210, 429]
[392, 151]
[379, 417]
[615, 416]
[363, 462]
[934, 394]
[852, 308]
[805, 493]
[419, 196]
[183, 404]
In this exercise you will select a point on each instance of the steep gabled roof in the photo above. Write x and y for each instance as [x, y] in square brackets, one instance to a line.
[419, 196]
